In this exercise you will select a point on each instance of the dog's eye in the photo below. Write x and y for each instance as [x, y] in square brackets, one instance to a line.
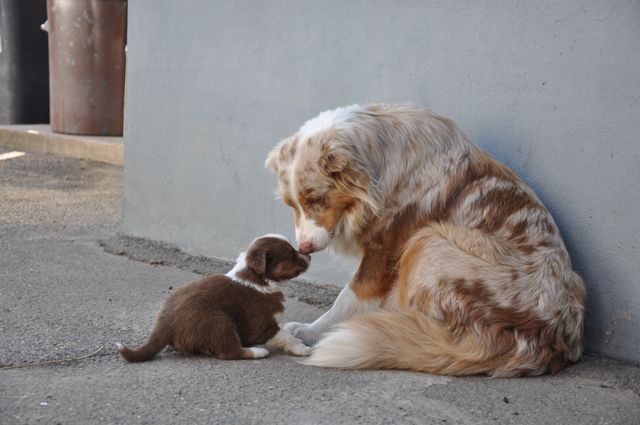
[318, 204]
[313, 203]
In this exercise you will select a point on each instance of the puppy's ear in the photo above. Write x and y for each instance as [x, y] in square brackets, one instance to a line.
[334, 160]
[256, 259]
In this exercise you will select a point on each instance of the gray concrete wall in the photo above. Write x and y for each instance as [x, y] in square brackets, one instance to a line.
[551, 90]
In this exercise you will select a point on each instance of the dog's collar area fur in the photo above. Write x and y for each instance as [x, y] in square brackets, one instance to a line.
[243, 275]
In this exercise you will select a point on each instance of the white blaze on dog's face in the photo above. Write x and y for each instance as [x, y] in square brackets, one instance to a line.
[316, 178]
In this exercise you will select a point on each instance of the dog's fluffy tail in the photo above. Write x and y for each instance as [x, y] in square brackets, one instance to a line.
[145, 352]
[408, 340]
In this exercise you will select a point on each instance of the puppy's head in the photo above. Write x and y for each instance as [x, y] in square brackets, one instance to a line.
[328, 188]
[272, 257]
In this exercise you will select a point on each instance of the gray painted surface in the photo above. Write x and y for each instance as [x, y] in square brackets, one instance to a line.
[552, 90]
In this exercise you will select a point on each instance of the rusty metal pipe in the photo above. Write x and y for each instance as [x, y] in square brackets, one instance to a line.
[87, 40]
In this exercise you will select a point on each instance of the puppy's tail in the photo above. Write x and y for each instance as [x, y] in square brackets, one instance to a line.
[145, 352]
[411, 341]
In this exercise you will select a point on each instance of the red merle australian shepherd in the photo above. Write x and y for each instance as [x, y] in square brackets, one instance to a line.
[462, 268]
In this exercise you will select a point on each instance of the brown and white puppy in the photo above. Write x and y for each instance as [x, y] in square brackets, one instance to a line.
[225, 316]
[462, 268]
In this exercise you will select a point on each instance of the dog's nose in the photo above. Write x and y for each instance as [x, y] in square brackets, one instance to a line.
[306, 248]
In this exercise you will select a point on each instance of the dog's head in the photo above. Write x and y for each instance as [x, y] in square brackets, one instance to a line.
[273, 257]
[320, 177]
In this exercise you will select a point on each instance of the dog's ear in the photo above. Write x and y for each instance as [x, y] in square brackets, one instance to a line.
[272, 159]
[334, 160]
[256, 259]
[283, 152]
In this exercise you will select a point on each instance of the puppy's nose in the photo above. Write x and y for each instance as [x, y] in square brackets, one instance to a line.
[306, 257]
[306, 248]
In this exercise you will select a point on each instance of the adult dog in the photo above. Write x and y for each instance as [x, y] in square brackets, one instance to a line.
[462, 269]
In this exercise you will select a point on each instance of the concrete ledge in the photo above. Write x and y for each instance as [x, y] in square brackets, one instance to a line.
[40, 138]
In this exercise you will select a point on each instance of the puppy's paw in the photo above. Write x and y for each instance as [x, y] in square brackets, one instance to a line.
[259, 353]
[303, 331]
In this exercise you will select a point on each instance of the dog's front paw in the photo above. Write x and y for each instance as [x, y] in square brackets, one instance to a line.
[297, 348]
[301, 350]
[302, 331]
[294, 327]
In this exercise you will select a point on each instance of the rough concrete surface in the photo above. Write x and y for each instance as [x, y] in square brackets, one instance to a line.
[62, 295]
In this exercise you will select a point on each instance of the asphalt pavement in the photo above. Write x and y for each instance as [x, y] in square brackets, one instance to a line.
[65, 294]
